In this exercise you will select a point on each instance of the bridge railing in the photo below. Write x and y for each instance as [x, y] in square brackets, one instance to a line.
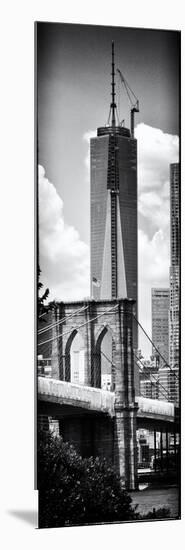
[77, 395]
[151, 406]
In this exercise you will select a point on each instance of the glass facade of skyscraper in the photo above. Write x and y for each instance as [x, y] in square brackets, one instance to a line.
[114, 215]
[174, 267]
[160, 323]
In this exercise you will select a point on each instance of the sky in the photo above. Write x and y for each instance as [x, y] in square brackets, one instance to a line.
[73, 83]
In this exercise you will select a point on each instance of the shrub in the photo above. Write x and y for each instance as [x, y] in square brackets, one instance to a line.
[160, 513]
[76, 491]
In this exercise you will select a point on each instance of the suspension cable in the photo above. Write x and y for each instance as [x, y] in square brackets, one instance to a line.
[79, 326]
[52, 325]
[42, 315]
[155, 346]
[108, 358]
[113, 365]
[151, 374]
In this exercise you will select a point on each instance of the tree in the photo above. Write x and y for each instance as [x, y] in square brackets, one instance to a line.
[77, 491]
[42, 308]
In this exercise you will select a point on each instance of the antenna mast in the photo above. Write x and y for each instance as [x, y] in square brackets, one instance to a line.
[113, 104]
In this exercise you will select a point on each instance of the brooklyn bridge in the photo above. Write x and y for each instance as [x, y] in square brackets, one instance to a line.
[97, 421]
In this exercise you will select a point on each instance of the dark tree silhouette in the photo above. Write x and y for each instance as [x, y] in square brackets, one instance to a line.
[75, 490]
[78, 491]
[42, 307]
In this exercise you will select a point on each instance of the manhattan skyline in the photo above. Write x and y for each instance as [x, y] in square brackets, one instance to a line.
[74, 65]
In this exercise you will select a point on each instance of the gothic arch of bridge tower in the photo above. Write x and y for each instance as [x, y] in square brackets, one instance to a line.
[92, 322]
[93, 319]
[112, 435]
[106, 354]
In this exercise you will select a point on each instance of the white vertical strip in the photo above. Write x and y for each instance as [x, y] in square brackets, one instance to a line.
[122, 285]
[105, 291]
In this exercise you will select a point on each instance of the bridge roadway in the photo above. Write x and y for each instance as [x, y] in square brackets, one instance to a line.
[76, 399]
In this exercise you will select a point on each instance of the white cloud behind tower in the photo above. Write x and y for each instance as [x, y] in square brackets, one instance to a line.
[156, 150]
[64, 256]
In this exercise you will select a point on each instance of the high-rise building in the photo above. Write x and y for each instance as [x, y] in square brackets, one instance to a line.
[114, 210]
[168, 384]
[160, 324]
[149, 380]
[149, 387]
[174, 266]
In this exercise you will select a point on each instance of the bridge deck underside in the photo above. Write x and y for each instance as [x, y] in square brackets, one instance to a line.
[52, 406]
[70, 400]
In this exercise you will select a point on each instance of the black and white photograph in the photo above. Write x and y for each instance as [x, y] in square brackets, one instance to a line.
[107, 191]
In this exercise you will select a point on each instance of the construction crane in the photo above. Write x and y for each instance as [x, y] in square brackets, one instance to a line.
[134, 102]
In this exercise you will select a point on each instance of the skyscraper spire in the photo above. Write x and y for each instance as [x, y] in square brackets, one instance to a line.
[113, 104]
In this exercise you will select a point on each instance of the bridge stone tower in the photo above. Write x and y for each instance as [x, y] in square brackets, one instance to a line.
[125, 445]
[114, 438]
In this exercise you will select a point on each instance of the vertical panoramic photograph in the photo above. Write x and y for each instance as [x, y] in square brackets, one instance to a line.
[108, 274]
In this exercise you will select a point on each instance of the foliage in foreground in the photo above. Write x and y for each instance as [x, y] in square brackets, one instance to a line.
[42, 305]
[41, 299]
[160, 513]
[77, 491]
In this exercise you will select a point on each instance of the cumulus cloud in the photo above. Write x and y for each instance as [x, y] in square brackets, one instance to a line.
[153, 258]
[63, 256]
[156, 151]
[155, 209]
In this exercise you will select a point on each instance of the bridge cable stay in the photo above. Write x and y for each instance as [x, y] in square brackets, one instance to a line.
[113, 365]
[159, 353]
[46, 348]
[141, 395]
[91, 320]
[52, 325]
[42, 315]
[61, 321]
[82, 325]
[149, 375]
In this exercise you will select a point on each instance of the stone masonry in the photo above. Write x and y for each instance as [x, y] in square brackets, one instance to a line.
[116, 438]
